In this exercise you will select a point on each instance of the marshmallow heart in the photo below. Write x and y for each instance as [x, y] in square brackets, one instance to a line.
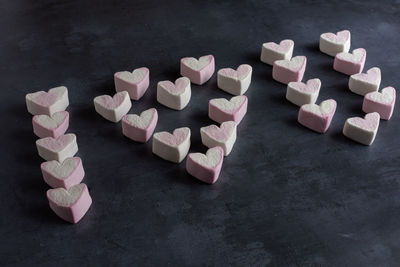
[221, 109]
[270, 52]
[51, 126]
[382, 102]
[303, 93]
[135, 82]
[362, 130]
[113, 108]
[66, 174]
[331, 44]
[140, 128]
[207, 167]
[72, 204]
[286, 71]
[317, 117]
[175, 96]
[223, 136]
[56, 99]
[172, 147]
[235, 82]
[59, 148]
[198, 71]
[350, 63]
[364, 83]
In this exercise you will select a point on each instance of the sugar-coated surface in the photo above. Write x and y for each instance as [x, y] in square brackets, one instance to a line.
[64, 169]
[135, 76]
[325, 107]
[67, 197]
[210, 160]
[51, 122]
[385, 96]
[294, 64]
[143, 120]
[355, 56]
[221, 133]
[197, 64]
[229, 105]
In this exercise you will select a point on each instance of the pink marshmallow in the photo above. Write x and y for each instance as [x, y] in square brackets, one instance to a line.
[66, 174]
[220, 109]
[350, 63]
[286, 71]
[198, 71]
[317, 117]
[140, 128]
[207, 167]
[50, 126]
[382, 102]
[72, 204]
[135, 83]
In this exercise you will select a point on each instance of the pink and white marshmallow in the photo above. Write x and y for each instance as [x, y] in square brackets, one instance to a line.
[317, 117]
[221, 109]
[223, 136]
[286, 71]
[198, 71]
[113, 108]
[332, 44]
[72, 204]
[382, 102]
[235, 82]
[362, 130]
[65, 174]
[172, 147]
[140, 128]
[47, 103]
[175, 96]
[350, 63]
[51, 126]
[364, 83]
[59, 148]
[135, 82]
[206, 167]
[270, 52]
[300, 93]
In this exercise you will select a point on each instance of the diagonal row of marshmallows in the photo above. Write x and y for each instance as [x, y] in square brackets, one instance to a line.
[290, 70]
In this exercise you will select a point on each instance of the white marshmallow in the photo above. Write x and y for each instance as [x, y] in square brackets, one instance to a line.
[332, 44]
[235, 82]
[59, 148]
[175, 96]
[362, 130]
[270, 52]
[113, 108]
[172, 147]
[300, 93]
[223, 136]
[47, 103]
[364, 83]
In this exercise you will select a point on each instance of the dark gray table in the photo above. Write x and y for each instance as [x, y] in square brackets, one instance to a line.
[286, 196]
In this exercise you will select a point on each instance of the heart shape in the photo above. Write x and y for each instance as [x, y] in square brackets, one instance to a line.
[358, 55]
[56, 99]
[382, 102]
[295, 64]
[178, 88]
[235, 82]
[310, 87]
[317, 117]
[325, 108]
[72, 204]
[51, 126]
[134, 77]
[339, 38]
[386, 96]
[140, 128]
[135, 83]
[206, 167]
[283, 47]
[58, 148]
[300, 93]
[198, 71]
[364, 83]
[66, 174]
[197, 64]
[372, 76]
[221, 109]
[362, 130]
[239, 74]
[113, 108]
[369, 123]
[175, 96]
[224, 136]
[172, 147]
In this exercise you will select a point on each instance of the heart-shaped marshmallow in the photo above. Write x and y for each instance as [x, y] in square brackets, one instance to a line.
[175, 96]
[198, 71]
[317, 117]
[51, 126]
[66, 174]
[223, 136]
[207, 167]
[382, 102]
[270, 52]
[172, 147]
[286, 71]
[331, 44]
[56, 99]
[72, 204]
[350, 63]
[135, 82]
[113, 108]
[140, 128]
[364, 83]
[221, 109]
[362, 130]
[59, 148]
[235, 82]
[300, 93]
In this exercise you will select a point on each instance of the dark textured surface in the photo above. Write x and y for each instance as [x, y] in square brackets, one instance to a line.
[286, 196]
